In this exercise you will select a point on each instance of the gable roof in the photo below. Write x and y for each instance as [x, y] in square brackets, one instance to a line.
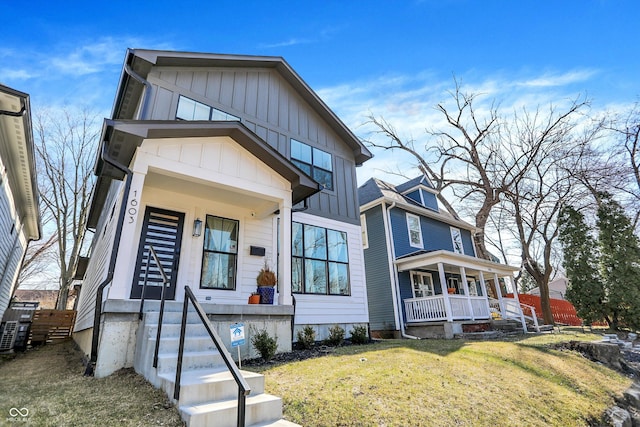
[18, 155]
[121, 138]
[419, 181]
[375, 190]
[140, 61]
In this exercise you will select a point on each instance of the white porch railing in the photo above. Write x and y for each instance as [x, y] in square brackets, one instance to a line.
[512, 309]
[431, 309]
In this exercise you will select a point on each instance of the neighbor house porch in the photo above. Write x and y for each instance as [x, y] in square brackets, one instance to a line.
[442, 286]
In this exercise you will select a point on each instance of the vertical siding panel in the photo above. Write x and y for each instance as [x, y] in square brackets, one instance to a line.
[273, 138]
[199, 84]
[263, 97]
[162, 106]
[283, 108]
[339, 182]
[184, 79]
[251, 94]
[169, 76]
[214, 82]
[293, 115]
[273, 110]
[239, 90]
[226, 88]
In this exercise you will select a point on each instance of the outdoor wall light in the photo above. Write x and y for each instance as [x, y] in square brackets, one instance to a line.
[197, 227]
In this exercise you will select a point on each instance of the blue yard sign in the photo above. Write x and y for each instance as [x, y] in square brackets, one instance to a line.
[237, 334]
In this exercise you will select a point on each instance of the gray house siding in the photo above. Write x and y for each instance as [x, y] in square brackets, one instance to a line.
[269, 107]
[379, 288]
[12, 249]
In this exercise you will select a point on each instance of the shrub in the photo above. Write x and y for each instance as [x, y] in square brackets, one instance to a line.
[306, 337]
[264, 344]
[359, 335]
[336, 336]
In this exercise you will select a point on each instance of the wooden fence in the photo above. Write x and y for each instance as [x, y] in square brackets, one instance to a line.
[563, 311]
[51, 325]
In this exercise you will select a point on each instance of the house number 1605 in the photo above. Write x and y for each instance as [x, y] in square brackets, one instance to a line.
[133, 210]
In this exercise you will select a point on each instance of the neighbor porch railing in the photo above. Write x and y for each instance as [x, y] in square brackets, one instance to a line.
[510, 308]
[433, 308]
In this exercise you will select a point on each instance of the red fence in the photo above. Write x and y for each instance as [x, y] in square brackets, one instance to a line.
[563, 311]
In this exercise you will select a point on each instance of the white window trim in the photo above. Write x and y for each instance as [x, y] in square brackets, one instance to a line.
[429, 282]
[411, 243]
[365, 234]
[453, 240]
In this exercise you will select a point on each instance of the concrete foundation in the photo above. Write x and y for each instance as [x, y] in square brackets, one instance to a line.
[117, 344]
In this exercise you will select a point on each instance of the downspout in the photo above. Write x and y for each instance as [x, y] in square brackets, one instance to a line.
[304, 207]
[395, 289]
[112, 261]
[114, 254]
[145, 92]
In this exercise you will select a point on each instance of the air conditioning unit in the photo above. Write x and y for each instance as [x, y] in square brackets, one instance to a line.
[8, 335]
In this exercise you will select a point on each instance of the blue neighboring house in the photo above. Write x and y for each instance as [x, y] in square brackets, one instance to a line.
[423, 276]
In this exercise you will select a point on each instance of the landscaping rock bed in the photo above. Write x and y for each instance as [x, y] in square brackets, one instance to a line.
[623, 356]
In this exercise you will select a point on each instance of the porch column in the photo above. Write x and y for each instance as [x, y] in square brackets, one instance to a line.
[445, 294]
[483, 287]
[496, 283]
[515, 291]
[284, 258]
[465, 284]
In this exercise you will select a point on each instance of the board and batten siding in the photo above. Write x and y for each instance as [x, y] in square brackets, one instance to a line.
[332, 309]
[273, 110]
[378, 272]
[101, 248]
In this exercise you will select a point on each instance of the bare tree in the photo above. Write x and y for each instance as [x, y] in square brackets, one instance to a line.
[65, 147]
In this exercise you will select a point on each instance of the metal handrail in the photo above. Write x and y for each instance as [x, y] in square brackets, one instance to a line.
[165, 280]
[243, 386]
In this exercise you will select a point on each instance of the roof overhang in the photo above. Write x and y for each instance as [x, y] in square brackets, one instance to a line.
[396, 203]
[141, 62]
[426, 259]
[121, 138]
[17, 153]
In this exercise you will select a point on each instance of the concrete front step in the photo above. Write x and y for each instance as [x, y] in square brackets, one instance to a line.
[173, 330]
[259, 409]
[171, 317]
[191, 343]
[190, 360]
[207, 385]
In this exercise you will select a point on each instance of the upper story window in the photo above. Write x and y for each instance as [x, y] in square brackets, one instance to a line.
[456, 239]
[316, 163]
[188, 109]
[320, 261]
[219, 257]
[415, 231]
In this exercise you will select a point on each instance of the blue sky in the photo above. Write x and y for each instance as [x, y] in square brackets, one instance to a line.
[394, 59]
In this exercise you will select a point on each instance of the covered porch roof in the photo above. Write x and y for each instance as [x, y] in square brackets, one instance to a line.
[121, 138]
[426, 259]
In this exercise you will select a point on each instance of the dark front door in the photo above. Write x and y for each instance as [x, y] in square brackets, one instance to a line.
[161, 229]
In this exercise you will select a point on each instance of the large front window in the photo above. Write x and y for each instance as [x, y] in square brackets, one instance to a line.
[315, 162]
[320, 263]
[219, 254]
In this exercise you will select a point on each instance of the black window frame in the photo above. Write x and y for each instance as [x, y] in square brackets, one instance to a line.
[212, 110]
[312, 169]
[301, 261]
[206, 251]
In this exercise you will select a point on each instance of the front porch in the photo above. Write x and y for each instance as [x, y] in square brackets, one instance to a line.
[450, 290]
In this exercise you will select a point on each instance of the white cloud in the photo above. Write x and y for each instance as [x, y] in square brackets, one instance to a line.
[286, 43]
[21, 74]
[563, 79]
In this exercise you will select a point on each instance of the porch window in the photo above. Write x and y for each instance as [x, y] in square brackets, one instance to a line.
[421, 284]
[220, 253]
[415, 232]
[473, 287]
[314, 162]
[454, 283]
[320, 263]
[456, 239]
[188, 109]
